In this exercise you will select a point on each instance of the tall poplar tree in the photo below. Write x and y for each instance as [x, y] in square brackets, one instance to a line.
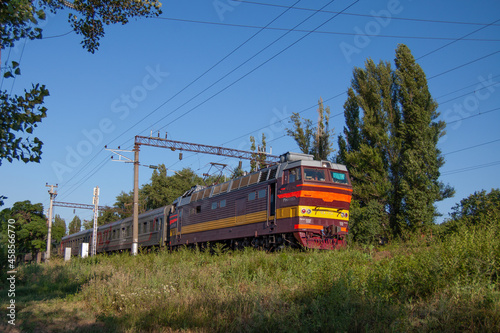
[390, 147]
[313, 140]
[420, 159]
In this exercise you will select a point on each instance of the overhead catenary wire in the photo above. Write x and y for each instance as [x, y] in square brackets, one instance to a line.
[340, 33]
[439, 74]
[205, 73]
[371, 15]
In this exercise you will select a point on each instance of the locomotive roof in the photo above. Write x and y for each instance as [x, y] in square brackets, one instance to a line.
[287, 161]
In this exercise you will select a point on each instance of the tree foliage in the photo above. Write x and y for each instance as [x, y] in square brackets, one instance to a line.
[258, 161]
[75, 225]
[390, 146]
[31, 226]
[313, 140]
[58, 228]
[480, 209]
[19, 19]
[163, 189]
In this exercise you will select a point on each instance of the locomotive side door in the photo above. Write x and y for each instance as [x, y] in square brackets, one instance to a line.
[241, 209]
[271, 204]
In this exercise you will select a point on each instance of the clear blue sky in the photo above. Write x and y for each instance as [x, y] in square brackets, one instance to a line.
[140, 68]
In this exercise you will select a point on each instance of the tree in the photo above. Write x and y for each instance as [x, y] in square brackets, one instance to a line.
[163, 189]
[258, 161]
[31, 226]
[390, 146]
[58, 228]
[420, 159]
[313, 140]
[478, 209]
[75, 225]
[366, 148]
[238, 171]
[19, 19]
[107, 215]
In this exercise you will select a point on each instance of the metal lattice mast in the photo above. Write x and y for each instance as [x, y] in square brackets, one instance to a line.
[95, 201]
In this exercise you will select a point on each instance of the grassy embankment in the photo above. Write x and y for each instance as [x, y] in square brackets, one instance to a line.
[430, 285]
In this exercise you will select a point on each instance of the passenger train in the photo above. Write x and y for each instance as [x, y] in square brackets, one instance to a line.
[297, 201]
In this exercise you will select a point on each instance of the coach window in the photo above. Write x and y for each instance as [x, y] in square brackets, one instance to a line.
[223, 203]
[262, 194]
[145, 227]
[251, 196]
[198, 209]
[214, 205]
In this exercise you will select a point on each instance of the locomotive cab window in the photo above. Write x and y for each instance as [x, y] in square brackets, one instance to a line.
[294, 175]
[339, 177]
[314, 174]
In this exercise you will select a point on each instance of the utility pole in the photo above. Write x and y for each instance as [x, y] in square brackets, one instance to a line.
[135, 221]
[95, 201]
[53, 195]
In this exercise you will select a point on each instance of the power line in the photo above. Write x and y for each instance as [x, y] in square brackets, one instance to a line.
[371, 16]
[193, 81]
[343, 93]
[322, 31]
[470, 168]
[472, 147]
[458, 39]
[475, 115]
[206, 72]
[471, 85]
[463, 65]
[261, 64]
[468, 93]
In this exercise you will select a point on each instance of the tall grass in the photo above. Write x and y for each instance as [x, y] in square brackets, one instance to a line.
[424, 285]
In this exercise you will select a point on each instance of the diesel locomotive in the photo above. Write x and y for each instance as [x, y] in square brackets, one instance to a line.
[297, 201]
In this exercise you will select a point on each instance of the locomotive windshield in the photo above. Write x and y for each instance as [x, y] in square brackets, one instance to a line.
[339, 177]
[314, 174]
